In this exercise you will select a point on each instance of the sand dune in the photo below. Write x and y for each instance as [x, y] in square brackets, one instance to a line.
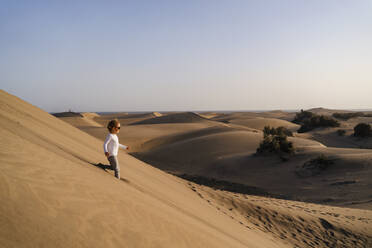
[192, 154]
[142, 137]
[330, 137]
[81, 122]
[157, 114]
[296, 223]
[90, 115]
[188, 117]
[228, 154]
[208, 115]
[259, 123]
[197, 151]
[228, 117]
[124, 118]
[325, 111]
[223, 150]
[53, 196]
[138, 136]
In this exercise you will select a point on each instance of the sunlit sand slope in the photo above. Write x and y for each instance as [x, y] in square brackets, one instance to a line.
[188, 117]
[259, 123]
[53, 196]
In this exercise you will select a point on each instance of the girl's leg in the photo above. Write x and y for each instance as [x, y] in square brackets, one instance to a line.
[115, 165]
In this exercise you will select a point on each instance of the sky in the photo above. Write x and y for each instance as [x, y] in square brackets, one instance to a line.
[193, 55]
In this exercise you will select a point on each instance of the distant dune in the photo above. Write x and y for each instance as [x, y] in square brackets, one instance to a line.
[208, 115]
[277, 114]
[259, 123]
[157, 114]
[126, 118]
[67, 114]
[325, 111]
[81, 121]
[90, 115]
[188, 117]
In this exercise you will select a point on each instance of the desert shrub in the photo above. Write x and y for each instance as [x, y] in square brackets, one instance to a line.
[347, 116]
[277, 131]
[314, 166]
[362, 130]
[341, 132]
[322, 161]
[310, 121]
[275, 141]
[302, 116]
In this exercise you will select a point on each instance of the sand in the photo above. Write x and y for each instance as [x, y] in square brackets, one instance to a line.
[53, 195]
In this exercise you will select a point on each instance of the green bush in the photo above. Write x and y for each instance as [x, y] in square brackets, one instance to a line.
[275, 141]
[310, 121]
[277, 131]
[347, 116]
[303, 116]
[362, 130]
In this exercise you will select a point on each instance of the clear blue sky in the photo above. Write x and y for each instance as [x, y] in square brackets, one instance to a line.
[187, 55]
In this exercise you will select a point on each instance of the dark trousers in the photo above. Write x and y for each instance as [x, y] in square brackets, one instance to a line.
[115, 165]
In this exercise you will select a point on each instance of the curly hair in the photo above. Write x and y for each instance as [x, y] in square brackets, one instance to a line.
[112, 124]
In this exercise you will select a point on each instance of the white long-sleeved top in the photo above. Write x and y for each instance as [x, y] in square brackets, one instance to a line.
[112, 144]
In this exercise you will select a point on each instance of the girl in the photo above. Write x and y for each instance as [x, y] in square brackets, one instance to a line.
[111, 146]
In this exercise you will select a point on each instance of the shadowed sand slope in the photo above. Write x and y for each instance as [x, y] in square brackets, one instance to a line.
[330, 136]
[52, 195]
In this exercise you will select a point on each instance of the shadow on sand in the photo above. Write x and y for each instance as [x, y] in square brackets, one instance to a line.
[102, 166]
[106, 167]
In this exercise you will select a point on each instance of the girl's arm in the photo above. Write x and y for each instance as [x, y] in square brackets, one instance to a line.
[124, 147]
[108, 139]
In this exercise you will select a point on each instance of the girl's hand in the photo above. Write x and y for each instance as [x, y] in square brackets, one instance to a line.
[107, 154]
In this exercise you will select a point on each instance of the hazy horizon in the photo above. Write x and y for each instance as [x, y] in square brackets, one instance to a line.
[187, 55]
[200, 111]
